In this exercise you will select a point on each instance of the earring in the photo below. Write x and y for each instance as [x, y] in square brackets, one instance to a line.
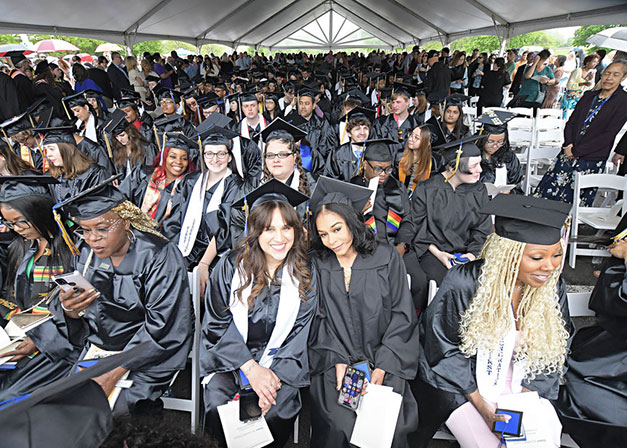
[131, 236]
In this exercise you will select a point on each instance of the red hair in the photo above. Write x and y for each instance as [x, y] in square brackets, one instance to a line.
[159, 172]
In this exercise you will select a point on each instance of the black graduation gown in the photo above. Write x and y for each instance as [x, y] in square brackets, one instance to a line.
[251, 162]
[391, 199]
[437, 164]
[9, 100]
[376, 322]
[341, 163]
[223, 350]
[440, 134]
[510, 161]
[446, 371]
[448, 218]
[386, 127]
[25, 90]
[134, 187]
[97, 153]
[213, 224]
[56, 354]
[321, 137]
[593, 401]
[34, 157]
[67, 188]
[145, 299]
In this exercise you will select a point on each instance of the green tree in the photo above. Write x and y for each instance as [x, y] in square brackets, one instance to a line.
[151, 46]
[9, 39]
[583, 33]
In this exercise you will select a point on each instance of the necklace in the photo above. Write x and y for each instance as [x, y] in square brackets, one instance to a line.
[519, 288]
[347, 272]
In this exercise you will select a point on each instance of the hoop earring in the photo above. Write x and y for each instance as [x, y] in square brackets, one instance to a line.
[131, 236]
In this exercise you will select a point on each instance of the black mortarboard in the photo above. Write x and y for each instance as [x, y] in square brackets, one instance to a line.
[15, 187]
[170, 122]
[17, 58]
[375, 75]
[220, 85]
[410, 89]
[273, 97]
[117, 123]
[70, 412]
[356, 94]
[172, 94]
[153, 78]
[77, 99]
[329, 191]
[273, 190]
[495, 121]
[127, 93]
[217, 135]
[378, 150]
[308, 92]
[359, 113]
[456, 99]
[207, 101]
[528, 219]
[91, 93]
[247, 97]
[37, 106]
[180, 141]
[60, 132]
[386, 93]
[94, 201]
[215, 119]
[280, 126]
[16, 124]
[456, 150]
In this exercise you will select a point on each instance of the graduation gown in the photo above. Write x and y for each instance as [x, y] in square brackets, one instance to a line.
[375, 322]
[387, 127]
[213, 224]
[593, 401]
[342, 163]
[96, 152]
[437, 164]
[9, 100]
[440, 134]
[223, 350]
[391, 207]
[251, 163]
[32, 156]
[56, 354]
[506, 160]
[448, 373]
[321, 137]
[448, 218]
[145, 299]
[67, 188]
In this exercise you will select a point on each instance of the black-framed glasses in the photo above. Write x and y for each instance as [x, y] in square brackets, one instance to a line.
[220, 155]
[378, 170]
[493, 143]
[280, 155]
[21, 224]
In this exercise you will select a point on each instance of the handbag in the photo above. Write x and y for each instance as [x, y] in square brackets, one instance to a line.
[541, 94]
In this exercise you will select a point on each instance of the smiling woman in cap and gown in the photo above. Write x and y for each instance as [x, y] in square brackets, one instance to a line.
[36, 253]
[365, 314]
[449, 126]
[498, 325]
[141, 294]
[446, 218]
[259, 306]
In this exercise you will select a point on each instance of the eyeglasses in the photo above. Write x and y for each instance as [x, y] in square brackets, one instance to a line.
[221, 155]
[280, 155]
[493, 143]
[99, 233]
[378, 170]
[166, 101]
[413, 136]
[21, 224]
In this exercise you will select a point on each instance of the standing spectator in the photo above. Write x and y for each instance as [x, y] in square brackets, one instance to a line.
[460, 73]
[46, 86]
[117, 75]
[553, 90]
[570, 64]
[492, 85]
[588, 136]
[579, 81]
[59, 76]
[476, 71]
[524, 64]
[438, 80]
[172, 66]
[473, 56]
[23, 83]
[600, 66]
[510, 65]
[99, 75]
[82, 82]
[531, 94]
[163, 73]
[9, 99]
[135, 76]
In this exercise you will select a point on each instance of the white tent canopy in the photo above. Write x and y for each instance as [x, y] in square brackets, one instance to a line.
[266, 23]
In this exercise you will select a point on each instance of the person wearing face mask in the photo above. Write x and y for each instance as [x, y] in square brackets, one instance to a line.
[399, 123]
[498, 326]
[365, 314]
[259, 305]
[449, 125]
[388, 214]
[445, 210]
[343, 162]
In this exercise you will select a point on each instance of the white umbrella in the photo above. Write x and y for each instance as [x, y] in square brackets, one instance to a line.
[614, 38]
[107, 47]
[51, 45]
[14, 49]
[184, 52]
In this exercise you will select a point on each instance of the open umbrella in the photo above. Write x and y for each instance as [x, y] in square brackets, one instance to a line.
[614, 38]
[51, 45]
[107, 47]
[13, 49]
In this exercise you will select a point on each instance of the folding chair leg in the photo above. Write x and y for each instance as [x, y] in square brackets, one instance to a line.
[296, 430]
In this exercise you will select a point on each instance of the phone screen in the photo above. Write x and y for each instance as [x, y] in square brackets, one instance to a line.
[352, 387]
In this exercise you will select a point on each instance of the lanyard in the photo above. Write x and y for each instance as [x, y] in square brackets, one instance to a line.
[594, 112]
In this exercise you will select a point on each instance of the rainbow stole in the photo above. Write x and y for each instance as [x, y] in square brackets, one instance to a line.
[394, 220]
[372, 225]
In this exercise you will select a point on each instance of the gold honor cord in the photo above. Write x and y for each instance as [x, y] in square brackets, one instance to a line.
[154, 128]
[64, 233]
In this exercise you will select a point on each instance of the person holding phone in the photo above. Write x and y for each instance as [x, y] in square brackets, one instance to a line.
[35, 253]
[259, 306]
[365, 314]
[141, 294]
[498, 325]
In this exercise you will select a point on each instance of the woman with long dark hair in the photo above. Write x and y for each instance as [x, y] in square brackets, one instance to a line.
[10, 164]
[271, 108]
[246, 338]
[87, 121]
[365, 314]
[499, 164]
[449, 126]
[36, 253]
[130, 148]
[492, 84]
[416, 163]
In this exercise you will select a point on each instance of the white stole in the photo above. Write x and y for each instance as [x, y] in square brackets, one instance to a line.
[343, 134]
[193, 215]
[500, 176]
[289, 304]
[90, 129]
[244, 132]
[492, 366]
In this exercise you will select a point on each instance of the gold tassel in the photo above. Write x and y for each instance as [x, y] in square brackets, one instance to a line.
[457, 159]
[67, 112]
[30, 118]
[106, 139]
[6, 137]
[154, 128]
[66, 236]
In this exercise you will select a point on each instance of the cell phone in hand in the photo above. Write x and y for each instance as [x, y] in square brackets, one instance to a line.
[248, 405]
[73, 280]
[352, 386]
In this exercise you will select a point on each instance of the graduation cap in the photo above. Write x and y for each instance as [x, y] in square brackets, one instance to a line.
[15, 187]
[38, 106]
[280, 128]
[456, 150]
[91, 93]
[59, 132]
[170, 122]
[273, 97]
[356, 94]
[77, 99]
[179, 141]
[495, 121]
[409, 90]
[217, 135]
[209, 100]
[328, 191]
[94, 201]
[247, 97]
[153, 78]
[72, 411]
[273, 190]
[528, 219]
[16, 58]
[215, 119]
[359, 113]
[375, 75]
[16, 124]
[117, 123]
[456, 99]
[172, 94]
[309, 93]
[386, 93]
[378, 150]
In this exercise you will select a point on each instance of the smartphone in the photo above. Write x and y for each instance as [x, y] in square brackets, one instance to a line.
[73, 280]
[512, 428]
[352, 386]
[248, 405]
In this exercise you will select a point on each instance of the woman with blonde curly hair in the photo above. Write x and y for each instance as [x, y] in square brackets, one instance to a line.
[498, 326]
[140, 295]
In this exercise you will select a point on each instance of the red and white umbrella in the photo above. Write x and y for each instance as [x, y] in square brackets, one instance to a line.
[51, 45]
[9, 49]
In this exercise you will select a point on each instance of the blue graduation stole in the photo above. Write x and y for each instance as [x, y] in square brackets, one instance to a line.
[305, 155]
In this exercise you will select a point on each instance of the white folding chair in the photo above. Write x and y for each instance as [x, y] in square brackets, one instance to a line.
[471, 113]
[473, 101]
[433, 290]
[599, 218]
[555, 113]
[526, 111]
[578, 304]
[192, 404]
